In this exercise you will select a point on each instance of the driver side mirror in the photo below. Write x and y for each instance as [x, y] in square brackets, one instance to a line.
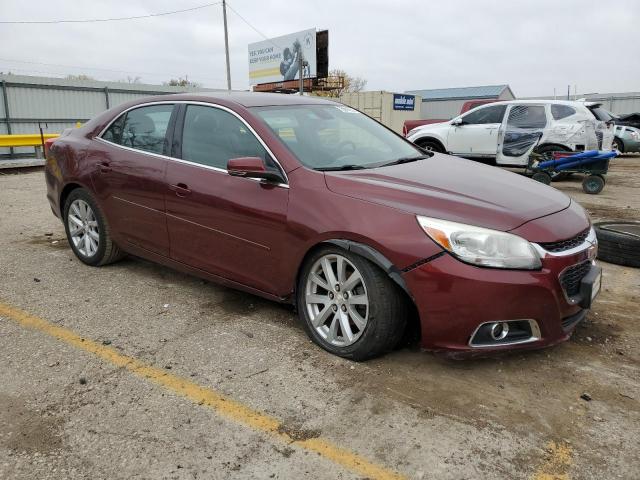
[457, 122]
[252, 167]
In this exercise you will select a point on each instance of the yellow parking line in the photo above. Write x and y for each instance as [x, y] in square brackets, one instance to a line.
[557, 463]
[218, 402]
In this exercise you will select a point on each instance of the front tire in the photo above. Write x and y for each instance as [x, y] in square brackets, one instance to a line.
[87, 230]
[430, 145]
[348, 306]
[542, 177]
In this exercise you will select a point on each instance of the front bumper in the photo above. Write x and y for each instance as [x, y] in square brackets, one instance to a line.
[454, 299]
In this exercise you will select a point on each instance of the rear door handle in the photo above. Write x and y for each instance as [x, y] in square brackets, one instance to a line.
[181, 189]
[104, 167]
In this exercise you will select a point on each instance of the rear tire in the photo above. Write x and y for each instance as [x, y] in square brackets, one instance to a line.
[357, 331]
[618, 145]
[87, 230]
[547, 153]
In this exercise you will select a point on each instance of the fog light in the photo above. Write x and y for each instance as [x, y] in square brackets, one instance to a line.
[505, 332]
[499, 330]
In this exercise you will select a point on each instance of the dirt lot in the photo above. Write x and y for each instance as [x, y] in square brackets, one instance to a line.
[137, 371]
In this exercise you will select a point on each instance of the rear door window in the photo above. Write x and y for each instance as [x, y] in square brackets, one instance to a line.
[527, 116]
[493, 114]
[143, 128]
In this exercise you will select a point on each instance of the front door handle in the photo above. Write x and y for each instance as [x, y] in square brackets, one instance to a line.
[181, 189]
[103, 167]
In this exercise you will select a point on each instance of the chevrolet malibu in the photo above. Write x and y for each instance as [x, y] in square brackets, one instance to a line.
[307, 201]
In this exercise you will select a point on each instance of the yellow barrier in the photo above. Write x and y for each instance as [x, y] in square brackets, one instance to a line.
[30, 140]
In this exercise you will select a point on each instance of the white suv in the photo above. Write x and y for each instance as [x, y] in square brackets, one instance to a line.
[509, 131]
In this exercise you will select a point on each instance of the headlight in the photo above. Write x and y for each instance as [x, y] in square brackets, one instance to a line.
[481, 246]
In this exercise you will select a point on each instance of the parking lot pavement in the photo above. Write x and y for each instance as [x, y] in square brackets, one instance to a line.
[138, 371]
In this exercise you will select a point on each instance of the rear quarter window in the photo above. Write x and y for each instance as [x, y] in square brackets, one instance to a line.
[559, 112]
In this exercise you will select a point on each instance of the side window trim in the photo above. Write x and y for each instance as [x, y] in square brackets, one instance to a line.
[179, 126]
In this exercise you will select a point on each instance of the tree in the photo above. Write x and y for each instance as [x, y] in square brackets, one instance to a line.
[348, 84]
[182, 82]
[81, 76]
[130, 79]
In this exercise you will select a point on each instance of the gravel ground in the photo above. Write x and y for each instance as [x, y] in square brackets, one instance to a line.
[67, 413]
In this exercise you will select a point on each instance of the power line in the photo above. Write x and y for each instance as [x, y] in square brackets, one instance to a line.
[254, 28]
[115, 19]
[85, 67]
[158, 79]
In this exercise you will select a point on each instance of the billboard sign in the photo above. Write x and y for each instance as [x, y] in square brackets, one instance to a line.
[277, 60]
[403, 102]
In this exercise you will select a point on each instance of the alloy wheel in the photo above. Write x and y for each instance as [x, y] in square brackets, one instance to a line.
[336, 300]
[83, 228]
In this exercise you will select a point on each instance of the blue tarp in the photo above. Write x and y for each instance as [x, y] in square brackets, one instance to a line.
[582, 158]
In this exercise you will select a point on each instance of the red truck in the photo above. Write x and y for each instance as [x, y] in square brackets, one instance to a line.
[411, 124]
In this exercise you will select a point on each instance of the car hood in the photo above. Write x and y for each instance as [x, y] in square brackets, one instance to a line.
[452, 188]
[427, 126]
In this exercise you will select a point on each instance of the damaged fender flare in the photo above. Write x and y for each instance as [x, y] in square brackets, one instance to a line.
[374, 256]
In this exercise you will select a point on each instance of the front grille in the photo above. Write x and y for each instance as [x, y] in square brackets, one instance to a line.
[564, 245]
[570, 278]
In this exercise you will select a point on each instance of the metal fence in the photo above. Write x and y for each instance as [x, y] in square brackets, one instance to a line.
[27, 103]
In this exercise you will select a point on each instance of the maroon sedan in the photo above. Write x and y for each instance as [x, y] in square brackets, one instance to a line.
[307, 201]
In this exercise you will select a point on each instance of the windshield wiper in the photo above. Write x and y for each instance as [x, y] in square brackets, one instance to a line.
[341, 168]
[403, 160]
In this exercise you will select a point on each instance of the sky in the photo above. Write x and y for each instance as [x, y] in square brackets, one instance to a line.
[396, 45]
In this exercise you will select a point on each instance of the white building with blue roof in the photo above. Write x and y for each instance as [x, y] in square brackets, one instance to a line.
[446, 103]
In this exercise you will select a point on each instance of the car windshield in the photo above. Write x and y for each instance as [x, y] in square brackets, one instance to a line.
[336, 137]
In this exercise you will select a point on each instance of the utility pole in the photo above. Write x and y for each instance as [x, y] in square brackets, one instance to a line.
[301, 73]
[226, 42]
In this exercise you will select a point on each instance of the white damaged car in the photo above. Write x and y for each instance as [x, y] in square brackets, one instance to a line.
[509, 131]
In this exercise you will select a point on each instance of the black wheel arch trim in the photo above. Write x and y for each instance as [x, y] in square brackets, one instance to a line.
[428, 138]
[559, 147]
[381, 261]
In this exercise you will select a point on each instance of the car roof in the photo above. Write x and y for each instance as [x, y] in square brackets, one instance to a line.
[247, 99]
[571, 103]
